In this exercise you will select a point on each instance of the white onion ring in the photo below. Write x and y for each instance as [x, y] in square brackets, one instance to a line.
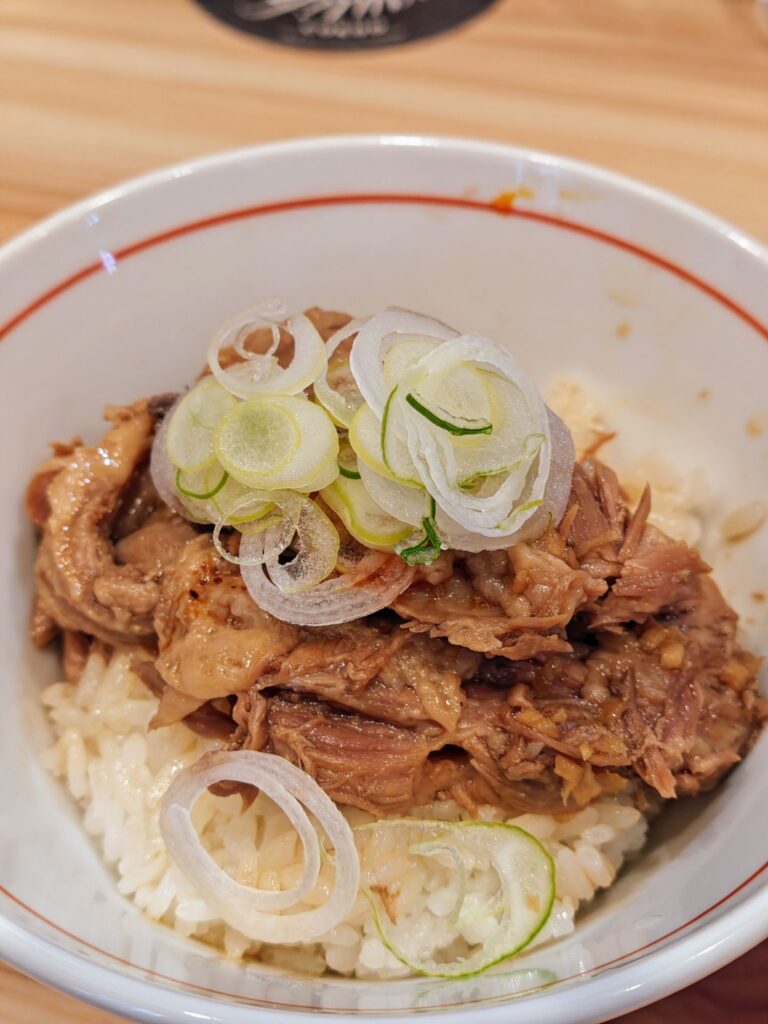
[335, 403]
[245, 353]
[249, 910]
[374, 585]
[280, 535]
[552, 510]
[163, 472]
[317, 540]
[410, 505]
[403, 502]
[432, 451]
[371, 344]
[558, 489]
[258, 375]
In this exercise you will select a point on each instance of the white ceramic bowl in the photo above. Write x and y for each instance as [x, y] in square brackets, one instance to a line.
[115, 298]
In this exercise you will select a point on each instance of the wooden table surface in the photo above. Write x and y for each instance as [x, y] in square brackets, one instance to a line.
[671, 91]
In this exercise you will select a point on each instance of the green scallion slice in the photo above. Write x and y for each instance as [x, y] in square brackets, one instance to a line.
[459, 426]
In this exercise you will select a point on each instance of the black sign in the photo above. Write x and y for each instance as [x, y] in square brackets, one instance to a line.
[344, 24]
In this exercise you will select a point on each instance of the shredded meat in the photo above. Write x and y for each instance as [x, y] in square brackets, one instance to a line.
[105, 539]
[371, 764]
[377, 670]
[42, 626]
[155, 545]
[208, 718]
[659, 574]
[80, 585]
[547, 734]
[597, 658]
[514, 603]
[381, 766]
[36, 497]
[213, 639]
[75, 648]
[138, 503]
[250, 717]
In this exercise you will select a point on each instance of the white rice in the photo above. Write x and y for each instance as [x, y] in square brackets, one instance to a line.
[117, 770]
[679, 500]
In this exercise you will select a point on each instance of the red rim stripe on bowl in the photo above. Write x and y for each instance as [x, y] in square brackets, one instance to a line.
[267, 1003]
[456, 202]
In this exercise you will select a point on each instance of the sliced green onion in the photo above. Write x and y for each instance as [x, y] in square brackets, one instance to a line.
[431, 531]
[347, 460]
[420, 554]
[403, 356]
[201, 496]
[261, 522]
[365, 438]
[428, 549]
[189, 438]
[530, 449]
[375, 337]
[528, 506]
[454, 378]
[251, 512]
[408, 504]
[384, 422]
[365, 520]
[483, 474]
[238, 505]
[521, 906]
[336, 389]
[394, 443]
[455, 425]
[432, 849]
[277, 442]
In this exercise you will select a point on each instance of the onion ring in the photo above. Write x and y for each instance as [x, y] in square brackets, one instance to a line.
[252, 911]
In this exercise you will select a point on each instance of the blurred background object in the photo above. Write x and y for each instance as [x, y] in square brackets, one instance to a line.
[671, 91]
[344, 24]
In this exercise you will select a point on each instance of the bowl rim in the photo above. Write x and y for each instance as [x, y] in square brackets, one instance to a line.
[304, 145]
[617, 987]
[615, 990]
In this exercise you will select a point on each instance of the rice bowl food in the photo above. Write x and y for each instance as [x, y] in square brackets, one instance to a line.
[103, 728]
[359, 563]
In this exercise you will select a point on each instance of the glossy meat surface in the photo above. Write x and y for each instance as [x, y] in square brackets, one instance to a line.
[600, 656]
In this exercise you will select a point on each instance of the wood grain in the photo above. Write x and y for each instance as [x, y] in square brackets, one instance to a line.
[24, 1001]
[671, 91]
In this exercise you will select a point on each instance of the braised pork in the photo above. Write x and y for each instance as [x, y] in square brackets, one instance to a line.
[600, 656]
